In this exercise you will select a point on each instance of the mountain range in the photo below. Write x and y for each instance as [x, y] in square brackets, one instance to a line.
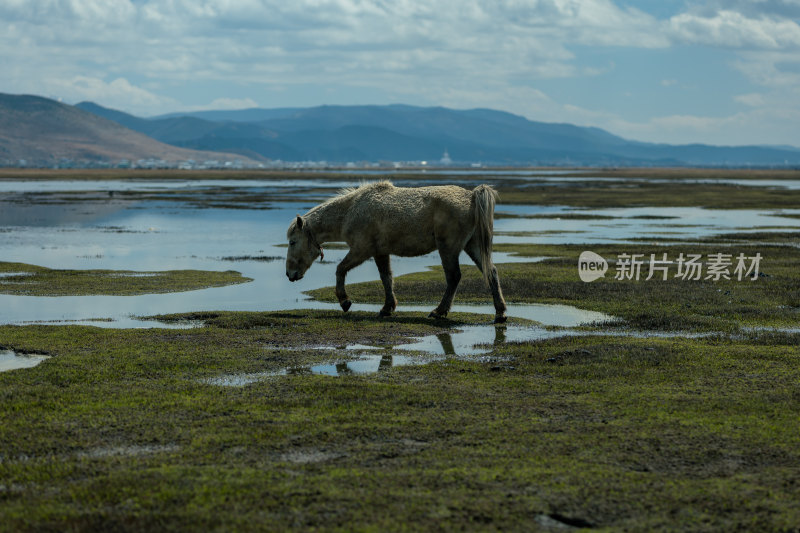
[407, 133]
[36, 128]
[43, 132]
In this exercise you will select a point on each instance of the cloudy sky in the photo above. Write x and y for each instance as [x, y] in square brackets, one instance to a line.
[677, 71]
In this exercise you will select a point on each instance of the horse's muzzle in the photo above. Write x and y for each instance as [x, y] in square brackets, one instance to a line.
[293, 276]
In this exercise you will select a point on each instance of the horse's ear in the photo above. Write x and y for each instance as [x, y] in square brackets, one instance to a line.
[299, 222]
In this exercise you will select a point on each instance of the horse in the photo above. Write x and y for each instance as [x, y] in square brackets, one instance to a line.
[377, 220]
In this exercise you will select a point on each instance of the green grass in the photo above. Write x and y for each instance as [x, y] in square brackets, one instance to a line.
[118, 432]
[651, 193]
[121, 431]
[32, 280]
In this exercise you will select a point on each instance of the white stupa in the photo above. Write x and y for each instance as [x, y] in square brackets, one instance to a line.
[445, 160]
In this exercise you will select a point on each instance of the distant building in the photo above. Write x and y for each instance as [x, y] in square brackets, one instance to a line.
[445, 160]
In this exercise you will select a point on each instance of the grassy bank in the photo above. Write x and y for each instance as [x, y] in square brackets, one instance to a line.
[32, 280]
[645, 193]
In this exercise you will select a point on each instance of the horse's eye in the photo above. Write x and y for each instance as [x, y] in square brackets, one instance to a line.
[292, 243]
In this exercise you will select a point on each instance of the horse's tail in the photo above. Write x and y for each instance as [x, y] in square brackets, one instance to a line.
[483, 200]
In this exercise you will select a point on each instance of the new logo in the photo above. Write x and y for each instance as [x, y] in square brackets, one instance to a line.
[591, 266]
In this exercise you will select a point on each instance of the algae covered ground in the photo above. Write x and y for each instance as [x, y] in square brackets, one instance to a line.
[32, 280]
[682, 414]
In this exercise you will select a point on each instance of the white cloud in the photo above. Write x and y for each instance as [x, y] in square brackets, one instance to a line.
[460, 53]
[210, 39]
[774, 8]
[734, 29]
[118, 94]
[231, 104]
[69, 13]
[751, 99]
[772, 123]
[759, 126]
[771, 69]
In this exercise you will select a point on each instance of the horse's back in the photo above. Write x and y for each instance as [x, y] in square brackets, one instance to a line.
[407, 221]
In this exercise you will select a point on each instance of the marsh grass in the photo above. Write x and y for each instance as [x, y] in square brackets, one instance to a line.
[121, 431]
[666, 193]
[32, 280]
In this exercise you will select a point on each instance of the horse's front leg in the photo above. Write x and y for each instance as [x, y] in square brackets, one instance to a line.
[385, 269]
[350, 261]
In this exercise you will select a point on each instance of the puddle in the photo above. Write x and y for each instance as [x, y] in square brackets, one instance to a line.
[467, 342]
[363, 364]
[470, 343]
[477, 340]
[132, 450]
[13, 277]
[10, 360]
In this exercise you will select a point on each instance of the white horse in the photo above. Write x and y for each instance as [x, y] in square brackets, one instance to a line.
[378, 220]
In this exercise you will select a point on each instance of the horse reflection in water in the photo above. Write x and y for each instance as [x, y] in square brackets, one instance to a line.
[386, 361]
[378, 220]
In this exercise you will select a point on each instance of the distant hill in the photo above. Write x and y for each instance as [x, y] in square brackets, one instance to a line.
[255, 114]
[44, 132]
[340, 134]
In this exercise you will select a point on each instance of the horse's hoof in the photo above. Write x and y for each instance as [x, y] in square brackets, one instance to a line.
[500, 319]
[436, 315]
[383, 313]
[346, 305]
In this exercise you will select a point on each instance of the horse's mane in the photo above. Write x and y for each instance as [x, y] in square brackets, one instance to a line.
[362, 187]
[382, 184]
[347, 191]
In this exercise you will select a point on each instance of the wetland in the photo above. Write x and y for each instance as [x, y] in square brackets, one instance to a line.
[182, 383]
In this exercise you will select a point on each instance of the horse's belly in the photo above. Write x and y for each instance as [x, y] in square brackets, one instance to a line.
[409, 247]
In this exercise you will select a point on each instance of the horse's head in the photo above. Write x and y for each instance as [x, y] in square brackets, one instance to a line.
[303, 249]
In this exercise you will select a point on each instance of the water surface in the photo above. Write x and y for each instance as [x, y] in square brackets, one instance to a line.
[10, 360]
[102, 231]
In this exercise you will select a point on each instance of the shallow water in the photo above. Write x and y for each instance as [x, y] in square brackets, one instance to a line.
[626, 224]
[104, 232]
[155, 236]
[10, 360]
[19, 186]
[467, 343]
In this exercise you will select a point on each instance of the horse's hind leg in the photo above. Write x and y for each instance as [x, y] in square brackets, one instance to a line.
[452, 273]
[350, 261]
[385, 269]
[494, 281]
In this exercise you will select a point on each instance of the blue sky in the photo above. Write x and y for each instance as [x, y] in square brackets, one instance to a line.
[711, 71]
